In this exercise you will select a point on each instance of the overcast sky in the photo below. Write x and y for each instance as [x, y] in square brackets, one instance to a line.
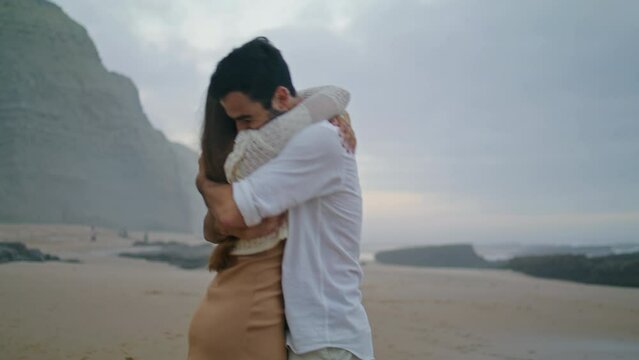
[483, 121]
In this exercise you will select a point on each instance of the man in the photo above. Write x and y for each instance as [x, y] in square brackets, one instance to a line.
[315, 179]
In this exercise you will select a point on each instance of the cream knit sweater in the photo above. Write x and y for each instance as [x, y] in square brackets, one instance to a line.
[253, 148]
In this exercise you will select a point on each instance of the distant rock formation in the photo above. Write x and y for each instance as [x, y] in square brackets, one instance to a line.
[456, 255]
[17, 251]
[174, 253]
[75, 144]
[618, 270]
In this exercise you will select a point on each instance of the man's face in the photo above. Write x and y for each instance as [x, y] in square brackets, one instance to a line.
[247, 113]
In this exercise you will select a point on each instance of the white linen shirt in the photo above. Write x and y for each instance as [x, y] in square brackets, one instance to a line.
[316, 180]
[255, 147]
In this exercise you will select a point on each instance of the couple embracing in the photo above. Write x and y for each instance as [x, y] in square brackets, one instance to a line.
[284, 206]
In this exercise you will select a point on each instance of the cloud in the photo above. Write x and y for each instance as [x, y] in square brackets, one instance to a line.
[519, 113]
[396, 219]
[170, 48]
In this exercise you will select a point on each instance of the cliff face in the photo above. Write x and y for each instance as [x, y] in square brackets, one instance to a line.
[75, 144]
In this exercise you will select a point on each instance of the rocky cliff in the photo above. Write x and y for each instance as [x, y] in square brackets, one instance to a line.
[75, 144]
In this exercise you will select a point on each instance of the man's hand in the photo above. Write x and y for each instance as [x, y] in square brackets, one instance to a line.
[343, 122]
[215, 233]
[219, 200]
[201, 179]
[210, 230]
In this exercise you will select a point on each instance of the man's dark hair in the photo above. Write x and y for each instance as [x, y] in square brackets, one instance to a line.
[256, 69]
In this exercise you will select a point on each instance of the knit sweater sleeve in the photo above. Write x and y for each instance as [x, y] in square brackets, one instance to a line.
[254, 148]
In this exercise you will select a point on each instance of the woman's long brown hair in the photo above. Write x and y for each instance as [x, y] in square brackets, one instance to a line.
[218, 135]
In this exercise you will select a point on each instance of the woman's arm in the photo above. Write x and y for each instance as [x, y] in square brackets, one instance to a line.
[319, 103]
[254, 148]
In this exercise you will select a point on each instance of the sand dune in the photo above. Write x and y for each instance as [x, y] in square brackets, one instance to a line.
[110, 307]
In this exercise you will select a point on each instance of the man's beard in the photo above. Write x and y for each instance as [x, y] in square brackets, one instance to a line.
[273, 113]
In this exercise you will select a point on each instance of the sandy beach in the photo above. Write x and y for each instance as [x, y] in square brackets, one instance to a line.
[109, 307]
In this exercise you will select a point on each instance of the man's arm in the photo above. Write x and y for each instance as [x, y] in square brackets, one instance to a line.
[215, 231]
[210, 230]
[255, 147]
[223, 210]
[216, 198]
[309, 166]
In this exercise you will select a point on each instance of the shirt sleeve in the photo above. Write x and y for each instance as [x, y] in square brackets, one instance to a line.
[310, 166]
[255, 147]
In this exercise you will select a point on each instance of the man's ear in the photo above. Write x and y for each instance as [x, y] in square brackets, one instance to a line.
[281, 99]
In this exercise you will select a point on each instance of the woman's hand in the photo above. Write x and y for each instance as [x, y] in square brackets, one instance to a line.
[343, 122]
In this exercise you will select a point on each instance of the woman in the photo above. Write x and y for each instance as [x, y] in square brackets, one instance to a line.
[241, 315]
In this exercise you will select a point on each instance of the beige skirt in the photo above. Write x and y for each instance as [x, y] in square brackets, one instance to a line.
[241, 316]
